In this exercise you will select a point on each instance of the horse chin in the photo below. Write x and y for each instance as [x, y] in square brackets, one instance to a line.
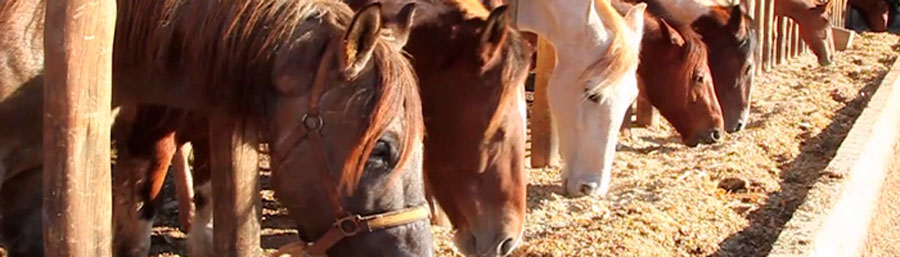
[825, 61]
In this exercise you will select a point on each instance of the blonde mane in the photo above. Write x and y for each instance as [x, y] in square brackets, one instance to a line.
[619, 56]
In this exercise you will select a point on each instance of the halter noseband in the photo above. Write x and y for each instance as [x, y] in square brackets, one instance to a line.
[310, 128]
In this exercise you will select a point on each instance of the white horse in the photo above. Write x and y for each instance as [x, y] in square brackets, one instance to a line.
[594, 82]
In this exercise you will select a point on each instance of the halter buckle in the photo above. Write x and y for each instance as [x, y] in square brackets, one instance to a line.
[312, 122]
[350, 225]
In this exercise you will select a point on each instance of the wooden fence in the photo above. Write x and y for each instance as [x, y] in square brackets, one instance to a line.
[778, 36]
[778, 41]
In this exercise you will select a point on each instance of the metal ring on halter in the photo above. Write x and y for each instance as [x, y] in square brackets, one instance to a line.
[350, 225]
[313, 122]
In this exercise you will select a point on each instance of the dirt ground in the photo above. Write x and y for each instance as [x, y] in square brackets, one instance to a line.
[666, 199]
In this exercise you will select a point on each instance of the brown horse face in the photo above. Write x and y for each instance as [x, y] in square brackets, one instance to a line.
[679, 83]
[731, 61]
[473, 100]
[815, 29]
[370, 118]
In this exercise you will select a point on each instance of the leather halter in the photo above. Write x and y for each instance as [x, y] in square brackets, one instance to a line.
[310, 128]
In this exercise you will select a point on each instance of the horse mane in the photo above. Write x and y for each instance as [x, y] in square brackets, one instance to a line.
[619, 57]
[233, 45]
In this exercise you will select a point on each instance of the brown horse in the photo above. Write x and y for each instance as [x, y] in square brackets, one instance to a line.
[472, 67]
[728, 32]
[147, 138]
[875, 12]
[675, 77]
[815, 26]
[327, 90]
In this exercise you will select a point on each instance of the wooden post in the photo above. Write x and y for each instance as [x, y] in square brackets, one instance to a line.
[759, 16]
[768, 54]
[795, 35]
[77, 199]
[779, 39]
[544, 143]
[236, 200]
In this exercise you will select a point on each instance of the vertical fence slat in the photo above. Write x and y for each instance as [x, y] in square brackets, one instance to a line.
[769, 54]
[759, 7]
[77, 202]
[781, 41]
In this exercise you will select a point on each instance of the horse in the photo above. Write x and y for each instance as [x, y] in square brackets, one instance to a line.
[472, 67]
[875, 12]
[147, 138]
[814, 20]
[593, 85]
[729, 34]
[328, 90]
[675, 77]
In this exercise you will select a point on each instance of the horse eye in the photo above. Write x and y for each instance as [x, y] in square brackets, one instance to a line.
[698, 77]
[382, 156]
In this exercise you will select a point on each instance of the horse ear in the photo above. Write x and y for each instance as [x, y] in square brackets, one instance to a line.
[635, 18]
[670, 32]
[736, 19]
[360, 38]
[494, 34]
[404, 23]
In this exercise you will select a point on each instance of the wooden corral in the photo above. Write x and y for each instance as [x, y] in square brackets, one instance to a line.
[778, 41]
[77, 200]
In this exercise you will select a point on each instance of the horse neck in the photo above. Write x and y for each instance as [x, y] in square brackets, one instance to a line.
[559, 21]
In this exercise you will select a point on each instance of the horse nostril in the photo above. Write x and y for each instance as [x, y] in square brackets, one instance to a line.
[506, 247]
[739, 127]
[715, 135]
[588, 188]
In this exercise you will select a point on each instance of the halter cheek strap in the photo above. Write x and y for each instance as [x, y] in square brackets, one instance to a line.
[310, 128]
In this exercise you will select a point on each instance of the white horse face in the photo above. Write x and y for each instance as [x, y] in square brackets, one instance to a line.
[588, 122]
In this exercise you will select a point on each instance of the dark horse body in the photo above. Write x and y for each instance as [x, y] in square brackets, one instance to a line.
[254, 60]
[876, 13]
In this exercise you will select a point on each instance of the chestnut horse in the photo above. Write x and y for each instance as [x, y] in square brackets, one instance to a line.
[269, 63]
[675, 77]
[814, 20]
[876, 13]
[729, 34]
[593, 84]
